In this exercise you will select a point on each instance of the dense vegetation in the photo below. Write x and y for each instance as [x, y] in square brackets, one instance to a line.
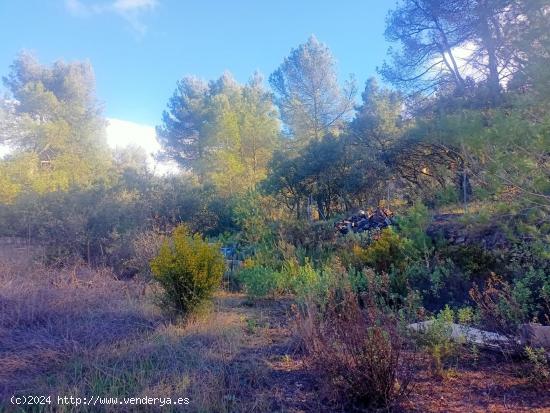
[458, 149]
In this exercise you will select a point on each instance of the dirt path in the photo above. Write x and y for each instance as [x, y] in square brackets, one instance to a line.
[270, 371]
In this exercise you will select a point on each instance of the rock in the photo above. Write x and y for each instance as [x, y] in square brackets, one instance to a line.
[535, 335]
[464, 334]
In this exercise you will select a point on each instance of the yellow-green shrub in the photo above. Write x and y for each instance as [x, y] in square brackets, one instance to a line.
[188, 269]
[382, 254]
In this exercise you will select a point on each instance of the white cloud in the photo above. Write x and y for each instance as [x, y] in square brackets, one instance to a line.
[130, 10]
[122, 133]
[4, 150]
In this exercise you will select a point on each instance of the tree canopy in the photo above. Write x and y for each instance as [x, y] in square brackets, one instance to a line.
[307, 93]
[59, 133]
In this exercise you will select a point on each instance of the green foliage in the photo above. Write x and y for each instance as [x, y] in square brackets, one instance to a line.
[534, 253]
[245, 135]
[379, 123]
[261, 281]
[469, 138]
[355, 350]
[230, 131]
[250, 213]
[532, 293]
[439, 283]
[413, 226]
[58, 136]
[100, 223]
[185, 116]
[188, 269]
[382, 290]
[473, 260]
[465, 315]
[385, 253]
[539, 368]
[299, 238]
[509, 147]
[328, 174]
[436, 339]
[499, 309]
[301, 277]
[429, 34]
[448, 196]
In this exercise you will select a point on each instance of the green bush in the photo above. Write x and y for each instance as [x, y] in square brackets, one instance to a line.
[446, 196]
[412, 229]
[538, 372]
[188, 269]
[383, 254]
[473, 260]
[439, 282]
[532, 293]
[498, 306]
[260, 281]
[436, 340]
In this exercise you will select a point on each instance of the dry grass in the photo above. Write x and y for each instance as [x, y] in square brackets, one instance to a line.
[49, 316]
[84, 333]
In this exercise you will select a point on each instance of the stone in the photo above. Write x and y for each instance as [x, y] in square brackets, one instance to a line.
[535, 335]
[465, 334]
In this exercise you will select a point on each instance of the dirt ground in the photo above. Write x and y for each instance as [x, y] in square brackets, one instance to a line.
[491, 385]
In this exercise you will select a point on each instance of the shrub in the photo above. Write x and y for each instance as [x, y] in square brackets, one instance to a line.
[385, 291]
[539, 368]
[440, 282]
[145, 246]
[412, 227]
[188, 269]
[387, 252]
[498, 307]
[356, 352]
[446, 196]
[313, 237]
[260, 281]
[251, 214]
[473, 260]
[532, 292]
[436, 339]
[466, 316]
[298, 278]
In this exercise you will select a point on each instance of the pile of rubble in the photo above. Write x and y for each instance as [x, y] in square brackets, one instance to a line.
[366, 221]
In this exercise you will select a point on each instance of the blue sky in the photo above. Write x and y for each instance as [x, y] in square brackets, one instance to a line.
[140, 48]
